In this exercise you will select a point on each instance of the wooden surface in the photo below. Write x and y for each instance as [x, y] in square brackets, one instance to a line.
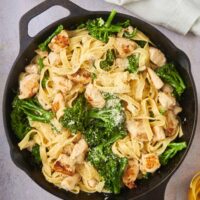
[14, 183]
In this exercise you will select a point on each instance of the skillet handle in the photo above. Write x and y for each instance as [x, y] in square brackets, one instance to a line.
[158, 193]
[25, 39]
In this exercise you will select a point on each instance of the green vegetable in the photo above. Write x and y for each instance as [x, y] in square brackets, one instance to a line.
[170, 75]
[133, 61]
[101, 128]
[36, 153]
[124, 24]
[40, 63]
[141, 43]
[74, 117]
[44, 46]
[19, 121]
[130, 35]
[80, 26]
[109, 166]
[105, 126]
[102, 30]
[25, 110]
[171, 151]
[111, 115]
[105, 123]
[94, 76]
[162, 111]
[45, 79]
[33, 110]
[146, 176]
[108, 62]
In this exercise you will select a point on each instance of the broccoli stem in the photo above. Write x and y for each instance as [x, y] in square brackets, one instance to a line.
[40, 63]
[36, 153]
[43, 46]
[110, 18]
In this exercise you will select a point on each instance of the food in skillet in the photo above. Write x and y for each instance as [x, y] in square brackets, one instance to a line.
[97, 107]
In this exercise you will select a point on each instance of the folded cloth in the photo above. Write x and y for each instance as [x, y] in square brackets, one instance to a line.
[181, 16]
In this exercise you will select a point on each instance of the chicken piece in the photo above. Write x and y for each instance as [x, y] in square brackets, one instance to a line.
[167, 89]
[125, 47]
[92, 182]
[177, 109]
[94, 97]
[171, 124]
[149, 163]
[64, 165]
[131, 173]
[156, 56]
[137, 130]
[32, 69]
[62, 84]
[82, 76]
[54, 59]
[166, 101]
[80, 148]
[68, 149]
[58, 102]
[70, 182]
[159, 133]
[58, 105]
[59, 42]
[28, 86]
[122, 63]
[157, 82]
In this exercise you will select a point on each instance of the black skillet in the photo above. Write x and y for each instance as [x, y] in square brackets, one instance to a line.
[152, 188]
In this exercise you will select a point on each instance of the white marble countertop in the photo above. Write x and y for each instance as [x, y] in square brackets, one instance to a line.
[14, 183]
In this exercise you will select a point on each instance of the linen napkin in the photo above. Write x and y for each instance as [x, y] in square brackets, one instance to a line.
[181, 16]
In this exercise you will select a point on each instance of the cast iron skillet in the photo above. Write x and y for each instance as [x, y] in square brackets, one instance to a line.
[152, 188]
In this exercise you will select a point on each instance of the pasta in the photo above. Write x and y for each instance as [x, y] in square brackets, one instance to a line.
[74, 57]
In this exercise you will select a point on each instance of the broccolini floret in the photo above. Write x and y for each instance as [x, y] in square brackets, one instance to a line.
[171, 151]
[109, 166]
[108, 62]
[133, 63]
[33, 110]
[130, 35]
[74, 117]
[170, 75]
[111, 115]
[100, 29]
[19, 121]
[25, 110]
